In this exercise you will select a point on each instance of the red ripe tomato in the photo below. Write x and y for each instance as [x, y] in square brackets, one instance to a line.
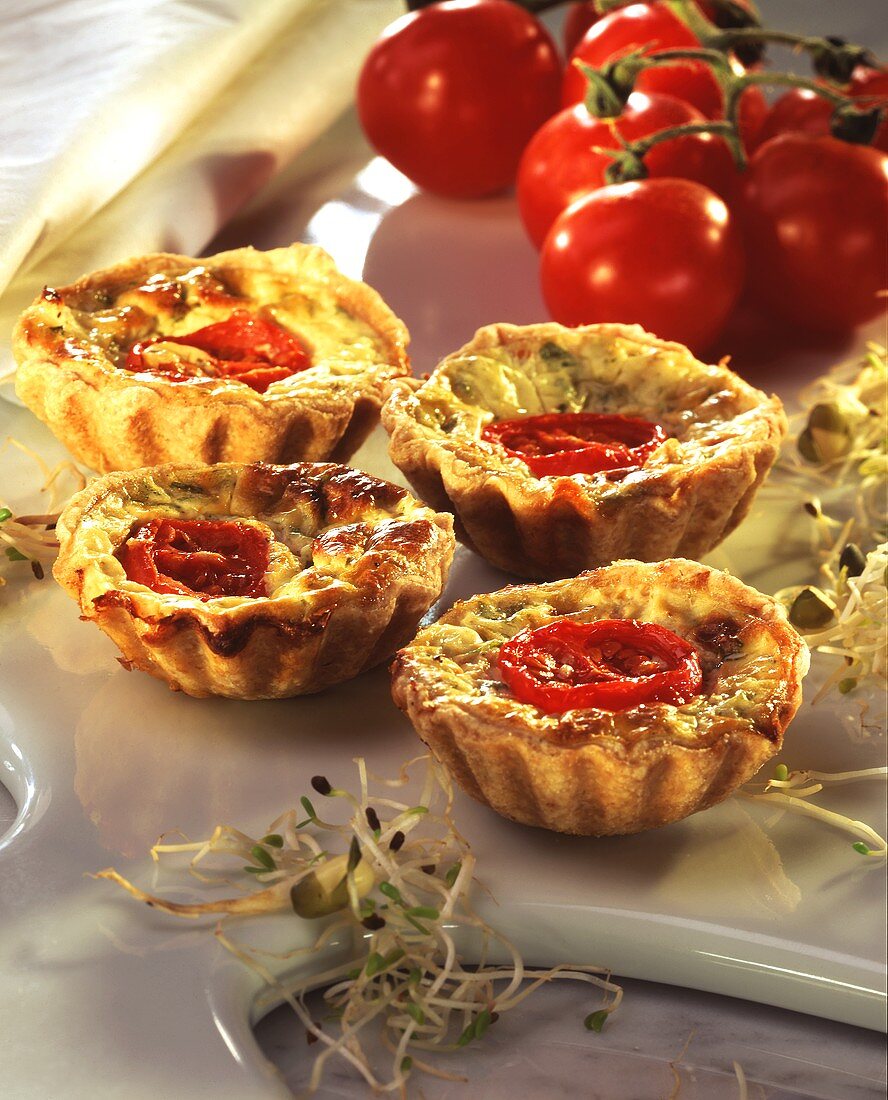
[560, 166]
[581, 16]
[578, 20]
[452, 93]
[655, 27]
[751, 117]
[870, 85]
[815, 213]
[663, 253]
[798, 111]
[802, 111]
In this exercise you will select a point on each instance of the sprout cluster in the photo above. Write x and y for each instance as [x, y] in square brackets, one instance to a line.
[793, 791]
[396, 878]
[843, 443]
[845, 427]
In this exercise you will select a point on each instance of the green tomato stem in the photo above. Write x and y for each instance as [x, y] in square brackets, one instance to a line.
[625, 71]
[738, 85]
[790, 80]
[629, 161]
[533, 6]
[601, 101]
[814, 45]
[605, 6]
[637, 61]
[643, 146]
[693, 18]
[725, 39]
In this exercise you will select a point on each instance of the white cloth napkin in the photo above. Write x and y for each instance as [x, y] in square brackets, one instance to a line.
[133, 127]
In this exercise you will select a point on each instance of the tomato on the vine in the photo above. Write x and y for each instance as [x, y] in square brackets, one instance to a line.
[870, 88]
[870, 85]
[560, 164]
[653, 28]
[452, 93]
[798, 111]
[580, 17]
[815, 214]
[663, 253]
[803, 111]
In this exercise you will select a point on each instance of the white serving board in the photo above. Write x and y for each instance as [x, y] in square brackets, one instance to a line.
[101, 761]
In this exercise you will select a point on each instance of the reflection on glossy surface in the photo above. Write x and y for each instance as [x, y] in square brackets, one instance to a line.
[346, 226]
[14, 776]
[732, 869]
[347, 231]
[83, 650]
[380, 180]
[444, 285]
[24, 797]
[815, 979]
[149, 760]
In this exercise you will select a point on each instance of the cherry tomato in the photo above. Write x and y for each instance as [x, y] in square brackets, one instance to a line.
[581, 16]
[576, 443]
[664, 253]
[612, 664]
[870, 85]
[654, 27]
[815, 213]
[202, 558]
[798, 111]
[751, 117]
[560, 166]
[803, 111]
[452, 93]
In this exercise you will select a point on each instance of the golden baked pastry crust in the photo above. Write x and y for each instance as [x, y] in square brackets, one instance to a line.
[355, 562]
[595, 772]
[71, 345]
[692, 492]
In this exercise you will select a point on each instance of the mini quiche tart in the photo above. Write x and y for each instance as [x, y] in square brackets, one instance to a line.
[252, 581]
[616, 701]
[559, 449]
[244, 356]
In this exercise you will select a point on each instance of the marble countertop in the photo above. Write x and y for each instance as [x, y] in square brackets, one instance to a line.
[662, 1042]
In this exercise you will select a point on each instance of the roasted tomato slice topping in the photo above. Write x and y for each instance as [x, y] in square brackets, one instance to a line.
[246, 348]
[576, 443]
[196, 557]
[612, 664]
